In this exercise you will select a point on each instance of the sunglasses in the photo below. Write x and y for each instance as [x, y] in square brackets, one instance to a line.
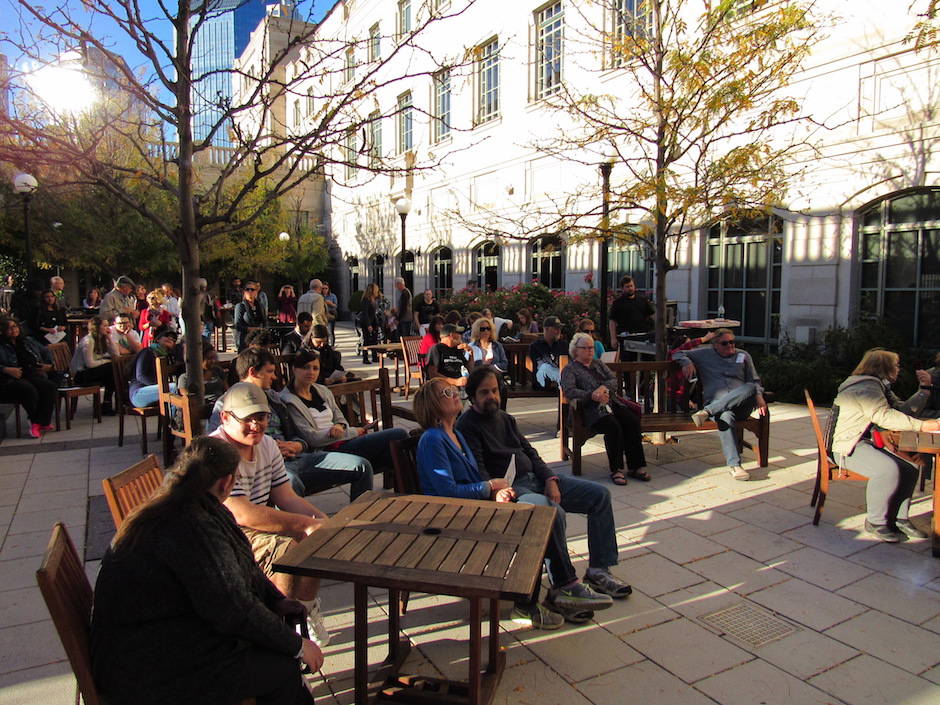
[255, 419]
[482, 329]
[726, 343]
[450, 392]
[250, 289]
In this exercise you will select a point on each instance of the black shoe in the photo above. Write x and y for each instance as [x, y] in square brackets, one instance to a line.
[108, 410]
[908, 529]
[881, 532]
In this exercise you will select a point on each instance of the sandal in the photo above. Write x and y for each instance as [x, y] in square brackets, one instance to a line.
[639, 474]
[617, 478]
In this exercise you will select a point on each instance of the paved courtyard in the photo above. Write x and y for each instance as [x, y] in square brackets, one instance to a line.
[738, 599]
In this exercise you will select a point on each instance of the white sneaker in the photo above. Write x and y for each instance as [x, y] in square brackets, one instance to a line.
[739, 473]
[318, 633]
[700, 417]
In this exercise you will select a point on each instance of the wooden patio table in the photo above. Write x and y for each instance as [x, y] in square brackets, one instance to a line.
[923, 442]
[476, 549]
[382, 349]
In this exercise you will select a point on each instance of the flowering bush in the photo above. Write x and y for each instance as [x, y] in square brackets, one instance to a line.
[570, 307]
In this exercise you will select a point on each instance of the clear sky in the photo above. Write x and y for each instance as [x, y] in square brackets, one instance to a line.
[13, 20]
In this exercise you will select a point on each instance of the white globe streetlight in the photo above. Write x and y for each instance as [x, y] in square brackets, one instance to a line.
[403, 206]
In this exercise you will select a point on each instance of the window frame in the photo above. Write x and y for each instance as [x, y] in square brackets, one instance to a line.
[404, 19]
[549, 35]
[441, 100]
[405, 122]
[540, 252]
[375, 42]
[375, 139]
[349, 66]
[488, 91]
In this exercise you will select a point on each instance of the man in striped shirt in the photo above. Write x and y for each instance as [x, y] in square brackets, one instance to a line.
[262, 478]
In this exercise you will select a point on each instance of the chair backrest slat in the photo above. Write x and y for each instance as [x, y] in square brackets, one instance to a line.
[131, 487]
[405, 460]
[61, 356]
[68, 595]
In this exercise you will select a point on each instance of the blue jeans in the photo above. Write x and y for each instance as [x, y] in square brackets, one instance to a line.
[374, 447]
[322, 469]
[149, 395]
[735, 406]
[581, 497]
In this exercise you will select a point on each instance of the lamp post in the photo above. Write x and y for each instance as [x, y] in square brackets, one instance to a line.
[403, 206]
[25, 184]
[606, 167]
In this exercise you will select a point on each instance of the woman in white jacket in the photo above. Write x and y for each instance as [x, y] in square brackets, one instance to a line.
[91, 361]
[321, 423]
[866, 406]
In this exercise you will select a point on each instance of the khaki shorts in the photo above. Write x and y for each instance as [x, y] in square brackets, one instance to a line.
[268, 548]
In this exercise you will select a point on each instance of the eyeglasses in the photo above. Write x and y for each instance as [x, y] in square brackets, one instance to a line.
[584, 347]
[450, 392]
[726, 343]
[484, 330]
[258, 419]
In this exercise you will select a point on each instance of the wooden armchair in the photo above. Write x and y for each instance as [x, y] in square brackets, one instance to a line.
[130, 487]
[68, 596]
[124, 407]
[283, 370]
[825, 463]
[61, 359]
[414, 362]
[405, 459]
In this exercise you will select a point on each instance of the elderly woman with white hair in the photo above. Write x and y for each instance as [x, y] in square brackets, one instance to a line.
[594, 386]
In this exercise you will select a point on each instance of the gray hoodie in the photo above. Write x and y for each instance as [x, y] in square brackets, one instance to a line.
[864, 401]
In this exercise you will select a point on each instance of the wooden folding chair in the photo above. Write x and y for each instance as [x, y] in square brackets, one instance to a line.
[68, 596]
[129, 488]
[825, 463]
[61, 359]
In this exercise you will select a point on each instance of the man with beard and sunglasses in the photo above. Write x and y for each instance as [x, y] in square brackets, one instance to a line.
[496, 441]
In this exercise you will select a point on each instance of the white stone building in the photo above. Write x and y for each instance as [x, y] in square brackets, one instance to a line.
[859, 230]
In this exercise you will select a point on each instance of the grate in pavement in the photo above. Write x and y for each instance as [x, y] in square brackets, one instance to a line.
[749, 624]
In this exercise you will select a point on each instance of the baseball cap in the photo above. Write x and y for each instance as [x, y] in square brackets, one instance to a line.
[244, 399]
[551, 322]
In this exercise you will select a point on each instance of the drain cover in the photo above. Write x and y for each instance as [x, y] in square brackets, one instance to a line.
[749, 624]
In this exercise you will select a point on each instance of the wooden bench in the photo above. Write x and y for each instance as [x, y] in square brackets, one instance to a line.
[646, 383]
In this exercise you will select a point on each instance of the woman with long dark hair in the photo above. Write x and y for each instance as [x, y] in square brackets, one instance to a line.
[433, 336]
[249, 313]
[182, 612]
[92, 301]
[51, 322]
[24, 366]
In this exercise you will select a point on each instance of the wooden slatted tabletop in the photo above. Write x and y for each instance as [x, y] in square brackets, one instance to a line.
[439, 545]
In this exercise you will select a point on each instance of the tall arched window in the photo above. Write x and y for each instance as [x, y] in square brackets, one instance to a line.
[408, 258]
[442, 265]
[486, 263]
[377, 271]
[745, 259]
[353, 263]
[548, 261]
[899, 259]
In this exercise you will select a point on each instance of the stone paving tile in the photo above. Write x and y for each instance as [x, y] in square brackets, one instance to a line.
[739, 573]
[655, 575]
[769, 517]
[831, 539]
[867, 681]
[706, 523]
[933, 625]
[32, 544]
[804, 653]
[807, 604]
[681, 546]
[37, 484]
[29, 645]
[583, 651]
[896, 597]
[759, 682]
[889, 639]
[49, 685]
[821, 569]
[903, 565]
[29, 522]
[933, 675]
[697, 600]
[643, 682]
[22, 606]
[756, 543]
[536, 682]
[33, 502]
[18, 573]
[637, 612]
[687, 650]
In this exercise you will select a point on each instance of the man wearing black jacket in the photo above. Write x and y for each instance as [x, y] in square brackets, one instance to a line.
[495, 440]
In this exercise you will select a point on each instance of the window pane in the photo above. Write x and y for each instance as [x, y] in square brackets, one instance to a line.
[754, 323]
[928, 321]
[870, 275]
[915, 208]
[871, 246]
[872, 217]
[898, 308]
[868, 303]
[930, 260]
[734, 266]
[902, 260]
[756, 264]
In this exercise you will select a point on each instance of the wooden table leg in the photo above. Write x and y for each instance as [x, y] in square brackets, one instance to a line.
[476, 639]
[934, 525]
[491, 667]
[361, 644]
[394, 622]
